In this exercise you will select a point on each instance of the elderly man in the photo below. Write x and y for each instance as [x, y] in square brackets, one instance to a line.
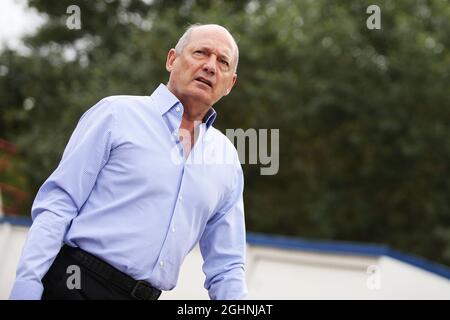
[127, 203]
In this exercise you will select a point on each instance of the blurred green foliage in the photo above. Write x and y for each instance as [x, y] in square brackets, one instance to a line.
[363, 114]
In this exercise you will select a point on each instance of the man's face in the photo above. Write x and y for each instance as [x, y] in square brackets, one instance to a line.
[204, 72]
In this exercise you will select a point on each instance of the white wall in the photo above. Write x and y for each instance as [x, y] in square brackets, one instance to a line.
[274, 273]
[12, 239]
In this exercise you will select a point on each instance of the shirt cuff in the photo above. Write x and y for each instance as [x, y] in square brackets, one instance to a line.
[26, 290]
[231, 290]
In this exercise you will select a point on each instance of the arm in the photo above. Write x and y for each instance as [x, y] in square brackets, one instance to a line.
[61, 196]
[223, 247]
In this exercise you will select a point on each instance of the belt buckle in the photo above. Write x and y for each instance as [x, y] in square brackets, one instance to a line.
[135, 292]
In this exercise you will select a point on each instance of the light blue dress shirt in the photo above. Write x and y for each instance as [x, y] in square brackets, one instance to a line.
[125, 192]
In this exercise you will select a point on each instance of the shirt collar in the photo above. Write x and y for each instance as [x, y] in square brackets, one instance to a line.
[166, 100]
[210, 117]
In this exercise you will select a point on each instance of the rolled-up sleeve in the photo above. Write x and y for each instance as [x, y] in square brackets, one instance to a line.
[62, 195]
[223, 247]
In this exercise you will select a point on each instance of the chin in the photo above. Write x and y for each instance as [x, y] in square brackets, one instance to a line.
[201, 96]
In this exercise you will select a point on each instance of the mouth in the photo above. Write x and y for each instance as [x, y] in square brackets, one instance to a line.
[205, 81]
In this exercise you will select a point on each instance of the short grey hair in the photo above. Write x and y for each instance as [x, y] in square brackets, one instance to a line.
[183, 41]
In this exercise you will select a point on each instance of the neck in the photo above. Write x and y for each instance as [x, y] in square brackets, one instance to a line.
[193, 114]
[188, 123]
[189, 130]
[193, 109]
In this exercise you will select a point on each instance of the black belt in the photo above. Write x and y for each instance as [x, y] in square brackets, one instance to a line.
[138, 289]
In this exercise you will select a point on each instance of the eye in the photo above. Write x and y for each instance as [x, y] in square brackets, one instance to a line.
[224, 62]
[199, 52]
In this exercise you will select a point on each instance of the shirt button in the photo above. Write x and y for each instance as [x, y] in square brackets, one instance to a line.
[161, 263]
[181, 198]
[178, 109]
[173, 229]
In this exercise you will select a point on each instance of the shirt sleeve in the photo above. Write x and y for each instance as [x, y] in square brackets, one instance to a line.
[223, 247]
[61, 196]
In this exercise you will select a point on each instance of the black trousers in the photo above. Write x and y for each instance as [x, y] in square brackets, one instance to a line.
[59, 282]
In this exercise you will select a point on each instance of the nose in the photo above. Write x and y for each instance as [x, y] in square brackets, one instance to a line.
[210, 65]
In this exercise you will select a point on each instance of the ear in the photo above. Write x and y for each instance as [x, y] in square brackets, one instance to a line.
[233, 81]
[171, 56]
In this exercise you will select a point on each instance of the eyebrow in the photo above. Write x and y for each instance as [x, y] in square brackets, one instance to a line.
[220, 55]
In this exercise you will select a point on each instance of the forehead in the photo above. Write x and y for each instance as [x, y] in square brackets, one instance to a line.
[216, 39]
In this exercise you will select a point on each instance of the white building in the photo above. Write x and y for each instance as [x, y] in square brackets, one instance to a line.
[287, 268]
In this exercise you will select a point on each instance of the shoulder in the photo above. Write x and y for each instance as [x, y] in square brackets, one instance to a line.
[125, 101]
[125, 106]
[112, 103]
[116, 109]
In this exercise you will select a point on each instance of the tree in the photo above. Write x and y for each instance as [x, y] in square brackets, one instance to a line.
[363, 114]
